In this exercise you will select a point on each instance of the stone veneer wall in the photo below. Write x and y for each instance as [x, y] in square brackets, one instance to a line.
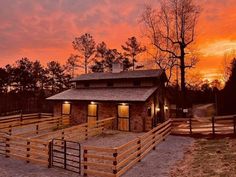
[139, 120]
[79, 112]
[57, 107]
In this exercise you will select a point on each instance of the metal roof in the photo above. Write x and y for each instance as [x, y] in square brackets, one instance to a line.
[105, 94]
[122, 75]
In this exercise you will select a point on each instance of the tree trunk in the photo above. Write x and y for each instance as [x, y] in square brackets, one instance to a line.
[86, 65]
[182, 73]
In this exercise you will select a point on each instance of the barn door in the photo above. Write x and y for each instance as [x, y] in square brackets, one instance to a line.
[66, 109]
[123, 118]
[92, 114]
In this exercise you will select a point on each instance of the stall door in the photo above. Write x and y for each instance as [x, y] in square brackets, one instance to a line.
[123, 118]
[65, 108]
[92, 115]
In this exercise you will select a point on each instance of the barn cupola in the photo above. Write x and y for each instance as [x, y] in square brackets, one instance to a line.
[117, 66]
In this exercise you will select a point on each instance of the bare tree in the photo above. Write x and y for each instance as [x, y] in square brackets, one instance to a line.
[226, 64]
[171, 30]
[133, 48]
[85, 44]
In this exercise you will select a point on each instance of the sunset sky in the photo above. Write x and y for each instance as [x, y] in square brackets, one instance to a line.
[45, 29]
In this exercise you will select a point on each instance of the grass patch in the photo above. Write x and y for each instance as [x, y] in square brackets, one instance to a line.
[209, 158]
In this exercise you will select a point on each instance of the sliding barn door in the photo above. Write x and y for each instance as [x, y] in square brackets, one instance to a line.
[92, 114]
[123, 118]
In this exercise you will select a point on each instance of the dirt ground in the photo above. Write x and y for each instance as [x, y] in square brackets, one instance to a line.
[10, 167]
[158, 163]
[111, 138]
[208, 158]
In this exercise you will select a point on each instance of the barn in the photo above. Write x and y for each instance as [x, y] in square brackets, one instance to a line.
[135, 98]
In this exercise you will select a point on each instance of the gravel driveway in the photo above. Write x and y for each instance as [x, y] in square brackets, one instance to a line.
[10, 167]
[158, 163]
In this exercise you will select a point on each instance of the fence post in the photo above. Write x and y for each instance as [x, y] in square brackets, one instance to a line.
[154, 141]
[37, 128]
[86, 132]
[190, 126]
[10, 130]
[234, 124]
[50, 154]
[58, 122]
[115, 162]
[139, 149]
[213, 126]
[85, 161]
[28, 151]
[65, 153]
[7, 147]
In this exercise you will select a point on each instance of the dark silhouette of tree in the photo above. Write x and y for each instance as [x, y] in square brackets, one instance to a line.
[101, 51]
[39, 76]
[23, 76]
[231, 83]
[55, 77]
[72, 64]
[171, 30]
[98, 66]
[133, 48]
[228, 95]
[85, 45]
[3, 80]
[105, 57]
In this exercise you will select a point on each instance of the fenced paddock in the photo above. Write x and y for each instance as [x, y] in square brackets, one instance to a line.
[29, 137]
[33, 138]
[113, 162]
[219, 125]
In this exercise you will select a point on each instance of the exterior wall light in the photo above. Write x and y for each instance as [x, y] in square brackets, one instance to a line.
[158, 109]
[166, 107]
[123, 104]
[92, 102]
[66, 102]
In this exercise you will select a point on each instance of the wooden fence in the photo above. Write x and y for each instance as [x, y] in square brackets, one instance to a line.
[38, 149]
[30, 124]
[79, 132]
[27, 149]
[113, 162]
[219, 125]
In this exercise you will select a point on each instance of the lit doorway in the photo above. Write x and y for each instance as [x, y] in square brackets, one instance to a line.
[92, 114]
[123, 117]
[66, 109]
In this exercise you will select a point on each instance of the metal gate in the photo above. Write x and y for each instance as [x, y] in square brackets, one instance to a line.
[66, 154]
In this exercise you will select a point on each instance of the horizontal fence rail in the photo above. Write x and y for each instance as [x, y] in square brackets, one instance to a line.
[34, 151]
[219, 125]
[32, 124]
[80, 132]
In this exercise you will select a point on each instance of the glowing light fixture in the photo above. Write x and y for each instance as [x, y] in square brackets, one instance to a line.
[158, 109]
[66, 102]
[166, 107]
[92, 102]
